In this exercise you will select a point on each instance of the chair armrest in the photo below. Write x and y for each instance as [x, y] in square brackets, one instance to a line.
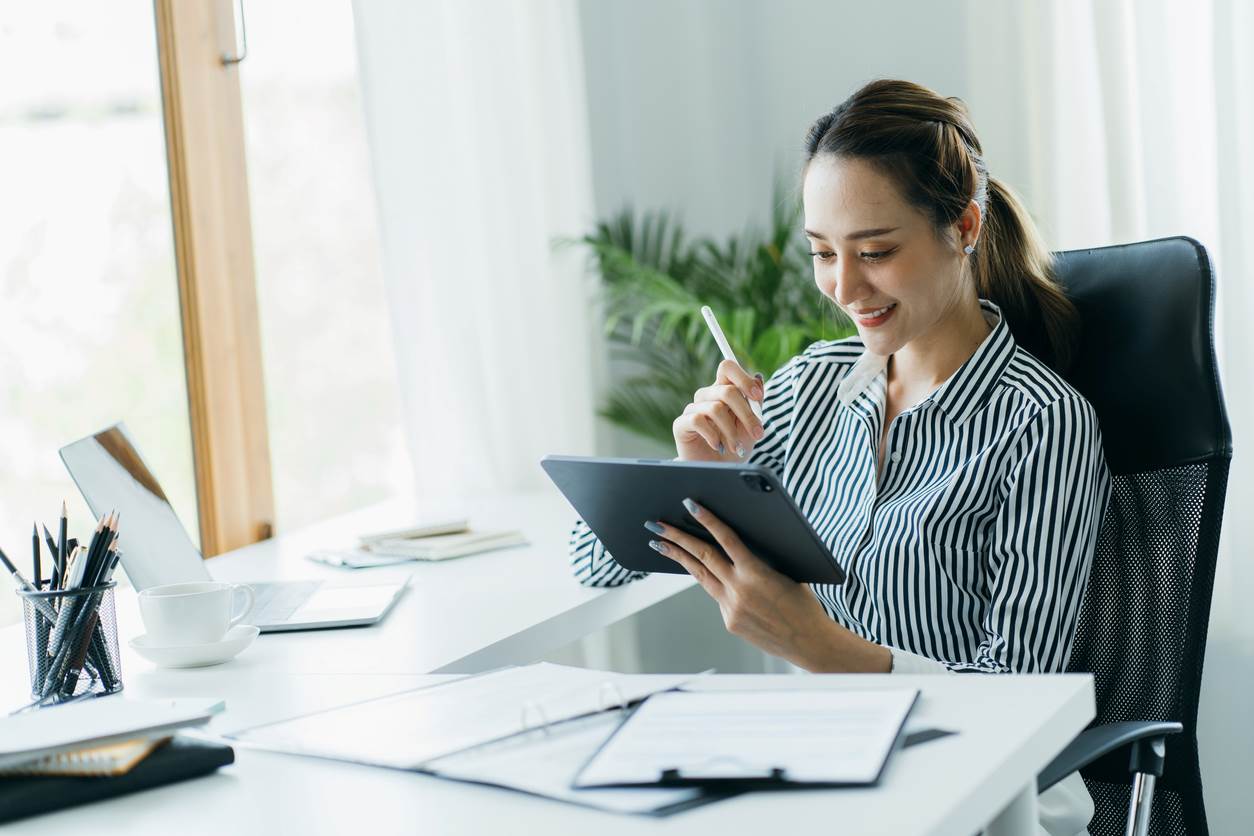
[1091, 744]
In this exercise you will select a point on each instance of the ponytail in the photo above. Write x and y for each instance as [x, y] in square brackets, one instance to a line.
[927, 144]
[1013, 268]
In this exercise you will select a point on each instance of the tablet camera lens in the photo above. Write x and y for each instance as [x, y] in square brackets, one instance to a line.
[756, 482]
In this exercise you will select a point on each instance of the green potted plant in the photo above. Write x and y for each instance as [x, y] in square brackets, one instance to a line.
[654, 282]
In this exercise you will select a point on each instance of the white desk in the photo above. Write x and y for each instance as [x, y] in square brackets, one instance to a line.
[458, 616]
[512, 607]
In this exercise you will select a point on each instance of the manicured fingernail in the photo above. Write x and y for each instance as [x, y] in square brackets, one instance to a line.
[758, 392]
[758, 432]
[740, 451]
[654, 527]
[660, 548]
[692, 507]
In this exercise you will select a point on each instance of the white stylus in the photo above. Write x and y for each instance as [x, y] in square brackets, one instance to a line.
[725, 347]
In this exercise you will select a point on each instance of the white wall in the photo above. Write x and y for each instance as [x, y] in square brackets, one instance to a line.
[695, 105]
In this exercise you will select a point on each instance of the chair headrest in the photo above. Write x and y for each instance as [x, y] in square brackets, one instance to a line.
[1146, 358]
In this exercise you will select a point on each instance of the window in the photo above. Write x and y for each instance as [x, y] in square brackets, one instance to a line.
[89, 312]
[335, 432]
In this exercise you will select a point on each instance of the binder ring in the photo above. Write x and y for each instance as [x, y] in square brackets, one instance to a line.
[615, 696]
[528, 707]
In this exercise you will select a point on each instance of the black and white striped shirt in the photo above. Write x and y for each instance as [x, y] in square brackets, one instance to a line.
[973, 547]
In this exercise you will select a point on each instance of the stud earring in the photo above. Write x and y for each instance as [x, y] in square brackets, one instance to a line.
[968, 249]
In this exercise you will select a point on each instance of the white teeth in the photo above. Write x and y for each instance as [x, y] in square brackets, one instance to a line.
[876, 314]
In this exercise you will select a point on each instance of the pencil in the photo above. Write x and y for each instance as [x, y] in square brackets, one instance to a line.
[94, 547]
[34, 543]
[61, 554]
[22, 583]
[8, 564]
[54, 574]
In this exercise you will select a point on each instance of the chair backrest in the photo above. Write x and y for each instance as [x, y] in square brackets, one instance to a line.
[1146, 362]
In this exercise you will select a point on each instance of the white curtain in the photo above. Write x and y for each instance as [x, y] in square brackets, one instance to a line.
[1123, 121]
[478, 133]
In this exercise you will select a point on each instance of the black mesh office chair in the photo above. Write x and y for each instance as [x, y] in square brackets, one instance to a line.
[1147, 364]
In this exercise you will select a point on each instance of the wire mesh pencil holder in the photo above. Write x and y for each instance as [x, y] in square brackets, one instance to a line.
[71, 643]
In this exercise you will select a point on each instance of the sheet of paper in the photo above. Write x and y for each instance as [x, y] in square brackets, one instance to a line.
[814, 736]
[406, 730]
[545, 763]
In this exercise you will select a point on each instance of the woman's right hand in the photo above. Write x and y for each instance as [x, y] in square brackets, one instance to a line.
[719, 425]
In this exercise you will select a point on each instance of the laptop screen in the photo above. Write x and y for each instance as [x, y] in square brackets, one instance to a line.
[112, 477]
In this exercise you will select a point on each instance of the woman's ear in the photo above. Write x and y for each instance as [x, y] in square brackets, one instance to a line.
[970, 225]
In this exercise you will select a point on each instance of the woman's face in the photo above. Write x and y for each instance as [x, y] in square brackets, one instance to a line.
[878, 257]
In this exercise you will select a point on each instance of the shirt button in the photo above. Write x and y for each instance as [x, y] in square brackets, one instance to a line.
[896, 457]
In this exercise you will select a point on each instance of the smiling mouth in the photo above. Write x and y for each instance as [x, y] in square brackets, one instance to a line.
[874, 317]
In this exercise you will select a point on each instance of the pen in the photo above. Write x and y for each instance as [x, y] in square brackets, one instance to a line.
[725, 347]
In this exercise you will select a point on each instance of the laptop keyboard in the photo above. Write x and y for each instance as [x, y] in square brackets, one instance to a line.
[277, 601]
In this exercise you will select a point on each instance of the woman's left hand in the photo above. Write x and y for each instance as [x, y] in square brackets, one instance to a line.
[760, 605]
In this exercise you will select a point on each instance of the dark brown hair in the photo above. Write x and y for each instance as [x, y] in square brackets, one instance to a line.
[927, 145]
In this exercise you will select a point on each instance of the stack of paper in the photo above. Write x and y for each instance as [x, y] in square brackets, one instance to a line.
[444, 546]
[433, 540]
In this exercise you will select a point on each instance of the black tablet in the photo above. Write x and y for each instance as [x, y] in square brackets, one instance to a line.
[616, 496]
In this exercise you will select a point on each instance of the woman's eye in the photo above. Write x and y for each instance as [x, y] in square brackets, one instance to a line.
[823, 256]
[878, 256]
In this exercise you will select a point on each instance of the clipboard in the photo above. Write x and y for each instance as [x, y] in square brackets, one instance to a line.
[746, 740]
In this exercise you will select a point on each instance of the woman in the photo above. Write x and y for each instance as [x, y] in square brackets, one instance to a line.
[958, 480]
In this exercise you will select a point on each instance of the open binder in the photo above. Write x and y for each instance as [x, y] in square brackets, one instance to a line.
[412, 728]
[753, 739]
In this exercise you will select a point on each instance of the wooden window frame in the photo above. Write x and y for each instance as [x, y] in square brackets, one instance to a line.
[204, 130]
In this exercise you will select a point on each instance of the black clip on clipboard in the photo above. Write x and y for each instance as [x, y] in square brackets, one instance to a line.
[773, 777]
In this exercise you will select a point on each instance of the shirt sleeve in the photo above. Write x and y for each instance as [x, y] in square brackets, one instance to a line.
[592, 563]
[779, 398]
[906, 662]
[1043, 540]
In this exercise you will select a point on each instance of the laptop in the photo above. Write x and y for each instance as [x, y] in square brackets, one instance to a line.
[111, 475]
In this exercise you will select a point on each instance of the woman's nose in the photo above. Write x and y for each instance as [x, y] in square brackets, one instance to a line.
[849, 284]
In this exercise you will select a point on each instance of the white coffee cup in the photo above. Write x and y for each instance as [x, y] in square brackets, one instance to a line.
[192, 613]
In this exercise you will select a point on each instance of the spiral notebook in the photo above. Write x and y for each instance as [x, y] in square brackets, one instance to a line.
[48, 733]
[96, 762]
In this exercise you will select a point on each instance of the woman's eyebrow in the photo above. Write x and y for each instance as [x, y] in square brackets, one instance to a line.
[854, 236]
[871, 233]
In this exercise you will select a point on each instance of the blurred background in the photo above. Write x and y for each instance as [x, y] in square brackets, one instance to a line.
[435, 185]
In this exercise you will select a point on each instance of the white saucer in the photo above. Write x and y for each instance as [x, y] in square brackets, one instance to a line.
[196, 655]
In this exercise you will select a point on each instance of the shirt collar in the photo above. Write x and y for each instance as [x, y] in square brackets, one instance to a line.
[965, 390]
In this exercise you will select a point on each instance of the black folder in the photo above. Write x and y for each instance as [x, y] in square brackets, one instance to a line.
[177, 760]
